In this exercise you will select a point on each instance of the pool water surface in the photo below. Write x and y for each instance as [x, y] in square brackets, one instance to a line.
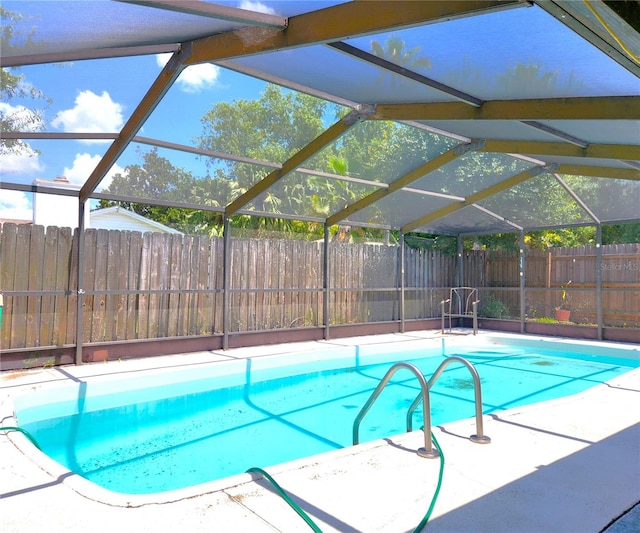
[153, 444]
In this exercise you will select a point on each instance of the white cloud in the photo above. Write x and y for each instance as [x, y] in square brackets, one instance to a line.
[92, 113]
[195, 78]
[21, 158]
[257, 6]
[24, 162]
[15, 204]
[83, 165]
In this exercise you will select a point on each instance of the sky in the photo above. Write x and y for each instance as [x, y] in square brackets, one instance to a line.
[84, 98]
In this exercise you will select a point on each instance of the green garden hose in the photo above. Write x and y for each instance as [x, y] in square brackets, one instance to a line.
[24, 432]
[315, 528]
[293, 504]
[281, 491]
[424, 521]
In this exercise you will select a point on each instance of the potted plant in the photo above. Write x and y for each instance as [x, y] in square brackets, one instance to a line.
[563, 312]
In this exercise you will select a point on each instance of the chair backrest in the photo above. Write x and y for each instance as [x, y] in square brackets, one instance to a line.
[461, 300]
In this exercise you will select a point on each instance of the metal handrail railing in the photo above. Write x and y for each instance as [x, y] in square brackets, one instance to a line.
[479, 437]
[428, 450]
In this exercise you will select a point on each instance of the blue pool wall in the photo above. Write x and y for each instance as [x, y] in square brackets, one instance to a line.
[83, 396]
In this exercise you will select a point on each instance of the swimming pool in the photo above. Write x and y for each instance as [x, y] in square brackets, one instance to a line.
[161, 432]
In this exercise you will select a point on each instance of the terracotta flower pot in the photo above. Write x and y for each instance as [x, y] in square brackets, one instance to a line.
[562, 315]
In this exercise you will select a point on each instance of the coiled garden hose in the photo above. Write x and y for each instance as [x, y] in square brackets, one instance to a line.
[24, 432]
[293, 504]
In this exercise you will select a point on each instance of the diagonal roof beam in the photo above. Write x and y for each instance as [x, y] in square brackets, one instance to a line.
[151, 99]
[402, 71]
[338, 22]
[600, 172]
[478, 196]
[88, 53]
[555, 132]
[576, 198]
[600, 151]
[217, 11]
[497, 216]
[325, 138]
[405, 180]
[584, 108]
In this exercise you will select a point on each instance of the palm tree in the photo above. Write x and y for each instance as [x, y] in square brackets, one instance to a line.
[394, 50]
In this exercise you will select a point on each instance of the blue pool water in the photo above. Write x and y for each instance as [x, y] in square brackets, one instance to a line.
[148, 443]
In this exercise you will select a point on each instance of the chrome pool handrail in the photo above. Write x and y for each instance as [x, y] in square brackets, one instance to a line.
[428, 450]
[479, 437]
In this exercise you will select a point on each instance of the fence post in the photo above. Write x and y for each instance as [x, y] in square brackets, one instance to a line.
[401, 271]
[599, 311]
[325, 283]
[460, 266]
[522, 283]
[80, 277]
[226, 273]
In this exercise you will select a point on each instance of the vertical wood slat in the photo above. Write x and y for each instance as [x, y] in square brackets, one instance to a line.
[143, 286]
[99, 283]
[21, 283]
[34, 268]
[193, 280]
[184, 301]
[203, 276]
[175, 256]
[88, 269]
[49, 260]
[112, 282]
[154, 283]
[8, 262]
[62, 282]
[164, 279]
[133, 267]
[72, 302]
[121, 300]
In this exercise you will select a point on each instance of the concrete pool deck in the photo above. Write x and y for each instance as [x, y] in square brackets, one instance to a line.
[567, 465]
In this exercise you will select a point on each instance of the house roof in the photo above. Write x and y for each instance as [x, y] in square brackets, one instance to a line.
[117, 217]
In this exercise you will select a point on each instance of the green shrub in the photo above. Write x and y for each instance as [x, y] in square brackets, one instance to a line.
[491, 307]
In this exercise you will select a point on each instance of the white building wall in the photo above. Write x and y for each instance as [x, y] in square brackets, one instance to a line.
[56, 210]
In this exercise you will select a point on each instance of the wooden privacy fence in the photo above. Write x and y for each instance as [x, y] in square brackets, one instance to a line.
[550, 273]
[153, 285]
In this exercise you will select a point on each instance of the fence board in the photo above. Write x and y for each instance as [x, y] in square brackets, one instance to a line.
[111, 300]
[133, 283]
[8, 261]
[100, 284]
[61, 311]
[20, 282]
[72, 302]
[35, 268]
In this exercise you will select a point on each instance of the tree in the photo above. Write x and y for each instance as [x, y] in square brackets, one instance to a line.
[14, 86]
[271, 128]
[158, 178]
[395, 51]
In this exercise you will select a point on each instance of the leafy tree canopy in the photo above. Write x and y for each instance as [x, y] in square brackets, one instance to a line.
[14, 86]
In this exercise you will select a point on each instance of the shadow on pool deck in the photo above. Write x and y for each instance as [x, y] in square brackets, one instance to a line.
[586, 477]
